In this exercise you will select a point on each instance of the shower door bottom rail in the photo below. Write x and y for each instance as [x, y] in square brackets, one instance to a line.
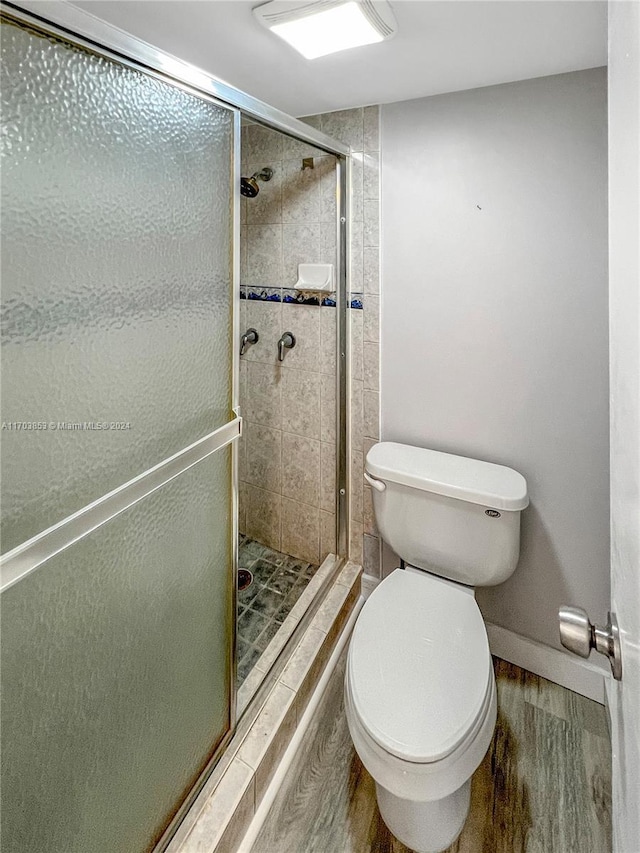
[21, 561]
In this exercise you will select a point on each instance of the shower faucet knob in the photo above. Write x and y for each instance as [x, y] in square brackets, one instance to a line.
[250, 337]
[287, 341]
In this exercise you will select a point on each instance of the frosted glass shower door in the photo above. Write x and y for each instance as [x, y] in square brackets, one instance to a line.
[117, 257]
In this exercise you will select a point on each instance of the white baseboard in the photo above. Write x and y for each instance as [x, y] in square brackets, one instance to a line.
[574, 673]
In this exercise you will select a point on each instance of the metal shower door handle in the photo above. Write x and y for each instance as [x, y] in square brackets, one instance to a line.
[580, 636]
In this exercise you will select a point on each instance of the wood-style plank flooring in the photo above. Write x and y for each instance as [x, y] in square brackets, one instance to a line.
[543, 787]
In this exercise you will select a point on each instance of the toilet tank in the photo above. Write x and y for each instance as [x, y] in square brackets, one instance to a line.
[456, 517]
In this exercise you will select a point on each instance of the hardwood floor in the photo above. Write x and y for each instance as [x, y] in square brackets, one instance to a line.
[543, 787]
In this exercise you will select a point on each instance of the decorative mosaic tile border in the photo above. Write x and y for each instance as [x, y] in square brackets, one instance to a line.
[290, 295]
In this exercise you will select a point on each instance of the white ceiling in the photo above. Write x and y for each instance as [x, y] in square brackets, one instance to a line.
[441, 46]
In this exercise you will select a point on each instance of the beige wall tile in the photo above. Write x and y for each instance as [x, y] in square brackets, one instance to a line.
[372, 555]
[242, 506]
[303, 321]
[372, 270]
[357, 414]
[301, 531]
[300, 245]
[244, 243]
[371, 327]
[369, 518]
[243, 315]
[264, 455]
[301, 470]
[261, 145]
[313, 121]
[293, 149]
[264, 517]
[345, 126]
[371, 222]
[326, 176]
[266, 319]
[266, 207]
[328, 477]
[371, 121]
[357, 188]
[367, 444]
[264, 255]
[356, 318]
[242, 452]
[371, 400]
[357, 244]
[301, 198]
[328, 244]
[263, 397]
[328, 408]
[371, 176]
[327, 534]
[355, 543]
[301, 402]
[357, 485]
[371, 361]
[328, 332]
[243, 373]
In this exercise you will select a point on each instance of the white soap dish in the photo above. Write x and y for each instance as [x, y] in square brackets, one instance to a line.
[315, 277]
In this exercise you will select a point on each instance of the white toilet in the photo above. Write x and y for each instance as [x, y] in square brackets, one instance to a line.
[420, 692]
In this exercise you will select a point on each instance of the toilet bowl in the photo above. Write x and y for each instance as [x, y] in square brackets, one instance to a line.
[420, 694]
[420, 703]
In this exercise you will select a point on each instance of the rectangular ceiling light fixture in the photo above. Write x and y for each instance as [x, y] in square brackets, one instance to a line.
[320, 27]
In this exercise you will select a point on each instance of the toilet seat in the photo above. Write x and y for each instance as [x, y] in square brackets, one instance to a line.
[420, 668]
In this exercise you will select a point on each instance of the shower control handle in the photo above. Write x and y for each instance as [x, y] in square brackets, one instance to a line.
[580, 636]
[249, 337]
[287, 341]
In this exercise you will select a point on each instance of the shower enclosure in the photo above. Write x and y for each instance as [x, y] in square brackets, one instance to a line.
[287, 453]
[120, 427]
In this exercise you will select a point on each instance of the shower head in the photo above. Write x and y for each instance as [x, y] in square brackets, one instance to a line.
[249, 186]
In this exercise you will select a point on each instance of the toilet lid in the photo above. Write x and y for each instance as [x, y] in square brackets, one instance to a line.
[419, 665]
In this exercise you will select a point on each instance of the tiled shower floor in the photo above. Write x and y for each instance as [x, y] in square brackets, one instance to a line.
[278, 582]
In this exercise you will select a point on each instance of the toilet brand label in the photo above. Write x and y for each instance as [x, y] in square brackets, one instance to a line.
[492, 513]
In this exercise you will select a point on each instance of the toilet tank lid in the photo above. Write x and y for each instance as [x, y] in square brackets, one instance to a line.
[471, 480]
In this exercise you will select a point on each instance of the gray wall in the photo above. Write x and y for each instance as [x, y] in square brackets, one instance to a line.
[494, 315]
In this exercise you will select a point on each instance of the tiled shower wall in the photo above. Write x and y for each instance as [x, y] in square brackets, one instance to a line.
[287, 457]
[359, 128]
[287, 489]
[287, 452]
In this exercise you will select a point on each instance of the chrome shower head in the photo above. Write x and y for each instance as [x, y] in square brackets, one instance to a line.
[249, 186]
